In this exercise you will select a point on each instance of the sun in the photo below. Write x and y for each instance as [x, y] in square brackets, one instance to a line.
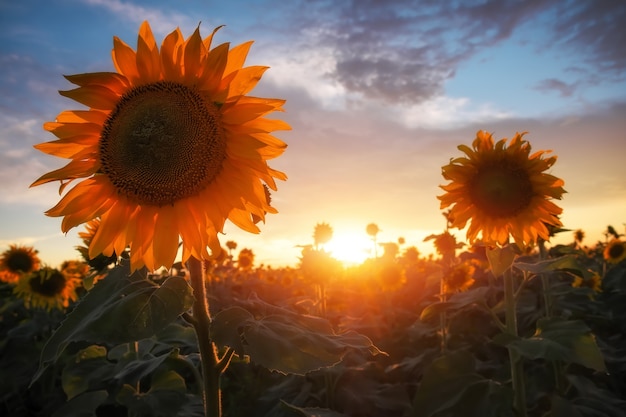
[350, 248]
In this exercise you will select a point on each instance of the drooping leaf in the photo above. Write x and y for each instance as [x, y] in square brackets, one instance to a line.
[558, 339]
[283, 340]
[567, 262]
[120, 308]
[456, 302]
[291, 346]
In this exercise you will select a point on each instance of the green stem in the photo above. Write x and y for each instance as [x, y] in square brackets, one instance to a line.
[443, 316]
[517, 370]
[208, 356]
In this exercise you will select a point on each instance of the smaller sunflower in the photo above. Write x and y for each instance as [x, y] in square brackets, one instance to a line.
[502, 191]
[322, 234]
[459, 278]
[17, 261]
[47, 288]
[99, 262]
[75, 269]
[594, 282]
[245, 259]
[615, 251]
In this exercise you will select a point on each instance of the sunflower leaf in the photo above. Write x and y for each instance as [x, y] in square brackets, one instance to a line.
[120, 308]
[284, 341]
[558, 339]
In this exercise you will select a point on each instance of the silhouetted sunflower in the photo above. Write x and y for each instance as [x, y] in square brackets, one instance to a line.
[245, 260]
[171, 147]
[615, 251]
[322, 234]
[17, 261]
[47, 288]
[502, 191]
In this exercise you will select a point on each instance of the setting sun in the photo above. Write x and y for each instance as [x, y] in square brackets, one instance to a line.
[350, 248]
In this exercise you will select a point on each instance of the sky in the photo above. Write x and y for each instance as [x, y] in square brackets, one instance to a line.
[379, 95]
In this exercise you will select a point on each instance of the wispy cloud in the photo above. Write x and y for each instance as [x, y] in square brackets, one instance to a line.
[160, 20]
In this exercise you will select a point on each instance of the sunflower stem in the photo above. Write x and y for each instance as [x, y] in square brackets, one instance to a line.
[517, 369]
[212, 369]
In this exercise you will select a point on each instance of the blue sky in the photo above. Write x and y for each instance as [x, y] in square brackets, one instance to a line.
[379, 94]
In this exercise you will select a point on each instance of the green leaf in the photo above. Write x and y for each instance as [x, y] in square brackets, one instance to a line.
[285, 341]
[451, 384]
[312, 411]
[164, 399]
[120, 308]
[83, 405]
[558, 339]
[88, 369]
[500, 259]
[456, 302]
[226, 327]
[299, 344]
[568, 262]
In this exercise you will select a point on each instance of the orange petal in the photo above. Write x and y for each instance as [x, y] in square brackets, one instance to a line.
[148, 60]
[237, 57]
[73, 170]
[165, 245]
[111, 80]
[245, 80]
[193, 56]
[94, 96]
[170, 56]
[125, 60]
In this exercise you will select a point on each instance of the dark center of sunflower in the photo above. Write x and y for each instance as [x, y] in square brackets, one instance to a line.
[501, 191]
[48, 284]
[20, 261]
[616, 251]
[163, 142]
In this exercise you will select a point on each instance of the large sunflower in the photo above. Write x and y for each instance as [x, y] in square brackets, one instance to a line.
[170, 148]
[502, 190]
[47, 288]
[17, 261]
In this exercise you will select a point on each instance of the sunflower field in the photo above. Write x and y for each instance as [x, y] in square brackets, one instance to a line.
[161, 318]
[399, 335]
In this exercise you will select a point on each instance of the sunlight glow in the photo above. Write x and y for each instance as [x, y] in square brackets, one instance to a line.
[350, 249]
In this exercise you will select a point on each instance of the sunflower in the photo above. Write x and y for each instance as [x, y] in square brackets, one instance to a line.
[459, 278]
[245, 260]
[170, 148]
[75, 269]
[47, 288]
[99, 262]
[322, 234]
[593, 281]
[16, 261]
[615, 251]
[503, 190]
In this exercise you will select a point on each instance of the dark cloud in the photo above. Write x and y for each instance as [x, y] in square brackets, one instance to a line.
[405, 50]
[552, 84]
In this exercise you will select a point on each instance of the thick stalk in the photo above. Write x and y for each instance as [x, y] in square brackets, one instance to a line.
[517, 370]
[208, 356]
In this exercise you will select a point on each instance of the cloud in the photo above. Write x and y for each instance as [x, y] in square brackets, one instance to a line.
[552, 84]
[161, 21]
[405, 51]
